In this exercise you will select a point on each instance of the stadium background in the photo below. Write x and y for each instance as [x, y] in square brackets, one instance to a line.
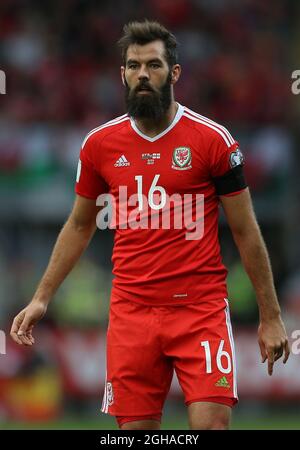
[62, 71]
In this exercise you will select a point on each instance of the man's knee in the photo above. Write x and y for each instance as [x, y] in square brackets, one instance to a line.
[209, 416]
[218, 423]
[210, 423]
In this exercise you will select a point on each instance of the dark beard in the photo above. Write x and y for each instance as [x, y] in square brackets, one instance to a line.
[153, 106]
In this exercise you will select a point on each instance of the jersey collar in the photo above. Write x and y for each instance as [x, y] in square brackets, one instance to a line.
[176, 119]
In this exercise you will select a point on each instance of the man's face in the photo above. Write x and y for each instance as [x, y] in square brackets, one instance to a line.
[148, 80]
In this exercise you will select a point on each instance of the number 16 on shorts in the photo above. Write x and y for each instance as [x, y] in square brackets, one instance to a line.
[223, 359]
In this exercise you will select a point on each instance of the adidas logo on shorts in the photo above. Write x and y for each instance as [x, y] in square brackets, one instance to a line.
[122, 162]
[222, 382]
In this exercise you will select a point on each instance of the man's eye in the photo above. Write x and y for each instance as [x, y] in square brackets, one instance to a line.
[155, 66]
[132, 66]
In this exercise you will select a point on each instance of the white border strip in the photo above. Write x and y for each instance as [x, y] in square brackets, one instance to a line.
[176, 119]
[206, 119]
[209, 125]
[104, 401]
[230, 335]
[105, 125]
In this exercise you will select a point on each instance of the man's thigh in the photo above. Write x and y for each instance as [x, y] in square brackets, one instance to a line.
[200, 342]
[139, 375]
[150, 422]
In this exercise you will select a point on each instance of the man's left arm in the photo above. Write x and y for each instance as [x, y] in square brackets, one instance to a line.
[272, 337]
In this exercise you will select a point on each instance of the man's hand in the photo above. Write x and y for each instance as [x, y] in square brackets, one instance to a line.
[273, 342]
[21, 330]
[70, 244]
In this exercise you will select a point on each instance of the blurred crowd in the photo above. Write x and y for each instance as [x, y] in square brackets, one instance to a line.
[62, 69]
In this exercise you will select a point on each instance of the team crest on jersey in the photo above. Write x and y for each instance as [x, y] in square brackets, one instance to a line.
[236, 158]
[182, 158]
[110, 395]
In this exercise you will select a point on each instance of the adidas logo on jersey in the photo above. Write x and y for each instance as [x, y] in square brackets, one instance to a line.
[122, 162]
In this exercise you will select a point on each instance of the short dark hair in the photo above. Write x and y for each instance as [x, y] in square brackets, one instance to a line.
[142, 33]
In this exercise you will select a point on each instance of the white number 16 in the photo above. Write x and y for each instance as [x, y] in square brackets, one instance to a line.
[221, 354]
[151, 194]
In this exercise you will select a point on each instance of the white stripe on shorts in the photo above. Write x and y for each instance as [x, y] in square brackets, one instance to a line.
[230, 335]
[104, 402]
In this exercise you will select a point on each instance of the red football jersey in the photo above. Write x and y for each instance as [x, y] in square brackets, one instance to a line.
[156, 261]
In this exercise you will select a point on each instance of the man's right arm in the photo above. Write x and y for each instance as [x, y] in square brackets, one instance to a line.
[71, 243]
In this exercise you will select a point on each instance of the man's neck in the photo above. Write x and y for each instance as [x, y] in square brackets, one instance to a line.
[152, 128]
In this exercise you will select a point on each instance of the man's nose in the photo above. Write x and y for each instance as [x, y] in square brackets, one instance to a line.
[143, 72]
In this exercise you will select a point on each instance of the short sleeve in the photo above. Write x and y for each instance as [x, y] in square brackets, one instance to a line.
[226, 165]
[89, 183]
[224, 156]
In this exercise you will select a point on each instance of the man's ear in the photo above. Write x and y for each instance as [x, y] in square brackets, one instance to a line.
[176, 71]
[123, 75]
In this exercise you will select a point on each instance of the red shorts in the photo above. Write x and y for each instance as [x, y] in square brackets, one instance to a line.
[146, 343]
